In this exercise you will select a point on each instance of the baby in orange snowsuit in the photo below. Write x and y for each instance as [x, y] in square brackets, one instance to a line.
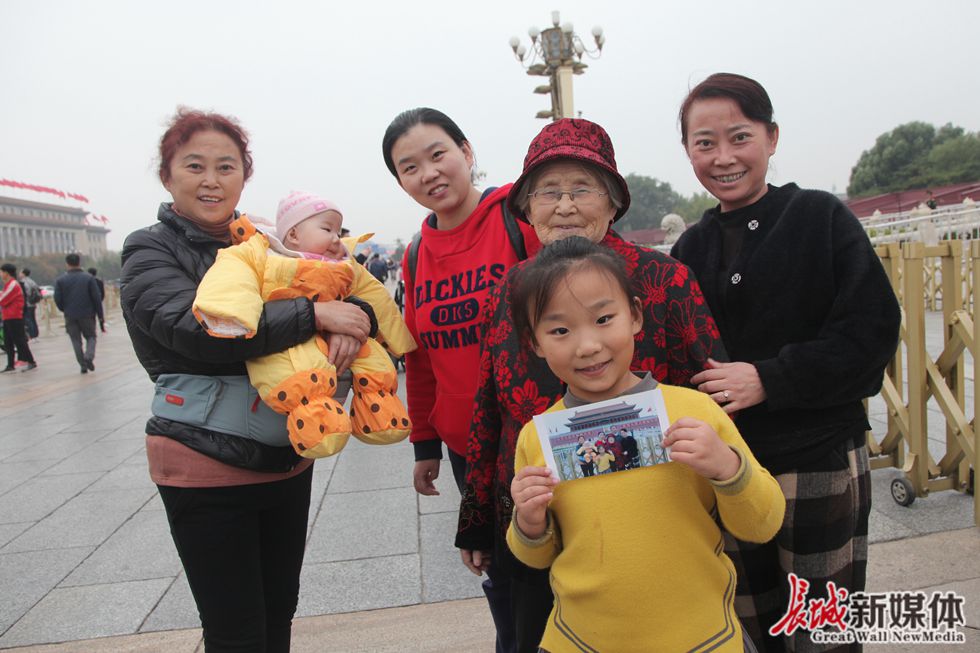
[305, 256]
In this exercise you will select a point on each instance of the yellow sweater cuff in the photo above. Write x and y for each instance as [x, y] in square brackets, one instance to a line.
[736, 483]
[549, 532]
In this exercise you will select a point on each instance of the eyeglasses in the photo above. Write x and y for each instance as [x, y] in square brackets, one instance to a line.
[579, 196]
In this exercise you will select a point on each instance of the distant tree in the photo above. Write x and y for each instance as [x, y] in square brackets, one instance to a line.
[955, 160]
[947, 132]
[903, 159]
[693, 207]
[652, 199]
[109, 265]
[45, 268]
[894, 160]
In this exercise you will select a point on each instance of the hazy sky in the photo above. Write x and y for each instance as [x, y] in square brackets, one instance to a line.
[86, 87]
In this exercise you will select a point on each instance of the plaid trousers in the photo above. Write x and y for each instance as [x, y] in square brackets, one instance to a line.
[824, 537]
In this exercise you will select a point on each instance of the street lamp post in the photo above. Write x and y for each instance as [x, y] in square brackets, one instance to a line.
[556, 53]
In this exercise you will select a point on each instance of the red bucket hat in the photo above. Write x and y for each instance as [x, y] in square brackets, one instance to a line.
[574, 139]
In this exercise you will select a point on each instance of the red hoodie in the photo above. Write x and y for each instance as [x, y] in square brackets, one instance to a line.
[443, 307]
[12, 302]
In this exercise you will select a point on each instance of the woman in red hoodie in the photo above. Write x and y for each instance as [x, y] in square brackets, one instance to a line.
[466, 244]
[464, 250]
[12, 312]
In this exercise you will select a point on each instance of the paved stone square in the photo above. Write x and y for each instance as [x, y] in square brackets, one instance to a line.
[85, 550]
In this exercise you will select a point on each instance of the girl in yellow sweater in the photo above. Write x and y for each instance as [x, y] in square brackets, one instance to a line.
[647, 572]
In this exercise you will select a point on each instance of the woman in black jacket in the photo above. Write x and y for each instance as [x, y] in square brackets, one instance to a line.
[809, 320]
[237, 508]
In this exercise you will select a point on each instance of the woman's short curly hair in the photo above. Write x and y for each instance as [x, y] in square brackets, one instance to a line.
[187, 122]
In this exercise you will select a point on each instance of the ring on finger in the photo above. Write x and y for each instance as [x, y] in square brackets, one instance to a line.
[725, 395]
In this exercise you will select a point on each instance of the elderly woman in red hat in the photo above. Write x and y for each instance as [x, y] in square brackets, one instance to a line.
[570, 186]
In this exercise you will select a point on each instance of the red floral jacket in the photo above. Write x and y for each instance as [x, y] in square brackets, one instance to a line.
[678, 336]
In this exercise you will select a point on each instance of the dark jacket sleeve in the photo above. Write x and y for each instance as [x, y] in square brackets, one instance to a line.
[96, 296]
[59, 294]
[856, 340]
[158, 292]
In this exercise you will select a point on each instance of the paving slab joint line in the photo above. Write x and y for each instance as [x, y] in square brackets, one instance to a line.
[139, 629]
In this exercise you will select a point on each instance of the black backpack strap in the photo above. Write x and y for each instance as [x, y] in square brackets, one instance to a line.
[413, 254]
[514, 232]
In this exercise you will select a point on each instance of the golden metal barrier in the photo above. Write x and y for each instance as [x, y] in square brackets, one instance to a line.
[932, 278]
[45, 311]
[111, 300]
[913, 377]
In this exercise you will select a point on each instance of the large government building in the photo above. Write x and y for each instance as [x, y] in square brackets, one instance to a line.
[29, 228]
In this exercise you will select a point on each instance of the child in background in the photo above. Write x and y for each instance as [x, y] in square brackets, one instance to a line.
[604, 460]
[654, 551]
[305, 256]
[614, 447]
[586, 456]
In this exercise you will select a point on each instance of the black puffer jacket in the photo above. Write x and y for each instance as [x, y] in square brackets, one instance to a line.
[162, 267]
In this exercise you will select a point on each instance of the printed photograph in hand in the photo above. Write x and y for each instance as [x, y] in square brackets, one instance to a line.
[616, 435]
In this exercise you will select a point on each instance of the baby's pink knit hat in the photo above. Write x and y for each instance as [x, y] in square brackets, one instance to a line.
[298, 206]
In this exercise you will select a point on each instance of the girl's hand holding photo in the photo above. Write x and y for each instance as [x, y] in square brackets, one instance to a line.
[532, 491]
[695, 444]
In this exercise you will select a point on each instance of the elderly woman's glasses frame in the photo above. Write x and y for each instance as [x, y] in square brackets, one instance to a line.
[550, 196]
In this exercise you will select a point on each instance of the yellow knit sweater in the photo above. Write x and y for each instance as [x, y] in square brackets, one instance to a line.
[636, 557]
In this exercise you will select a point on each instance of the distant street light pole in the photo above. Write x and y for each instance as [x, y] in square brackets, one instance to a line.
[556, 53]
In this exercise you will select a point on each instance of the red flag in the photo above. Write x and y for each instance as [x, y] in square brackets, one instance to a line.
[43, 189]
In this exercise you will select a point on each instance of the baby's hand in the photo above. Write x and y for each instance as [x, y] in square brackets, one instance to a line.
[696, 444]
[531, 490]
